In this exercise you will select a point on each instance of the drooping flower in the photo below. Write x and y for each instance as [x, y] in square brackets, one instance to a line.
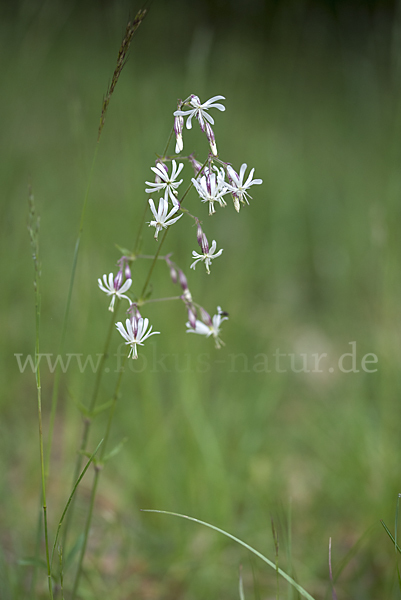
[135, 333]
[166, 182]
[207, 254]
[199, 110]
[211, 188]
[209, 327]
[238, 187]
[112, 287]
[162, 215]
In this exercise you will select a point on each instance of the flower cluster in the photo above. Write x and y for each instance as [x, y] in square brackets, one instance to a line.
[213, 181]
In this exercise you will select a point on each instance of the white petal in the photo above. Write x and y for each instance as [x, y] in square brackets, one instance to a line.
[126, 286]
[121, 329]
[152, 208]
[172, 221]
[242, 172]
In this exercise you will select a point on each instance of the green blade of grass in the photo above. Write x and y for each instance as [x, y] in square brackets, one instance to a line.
[74, 489]
[271, 564]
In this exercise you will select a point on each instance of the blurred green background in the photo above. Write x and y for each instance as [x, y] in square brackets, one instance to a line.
[313, 103]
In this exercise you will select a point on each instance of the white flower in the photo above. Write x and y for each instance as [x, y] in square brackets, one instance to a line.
[211, 188]
[207, 256]
[199, 110]
[161, 215]
[166, 182]
[108, 287]
[135, 333]
[212, 329]
[237, 186]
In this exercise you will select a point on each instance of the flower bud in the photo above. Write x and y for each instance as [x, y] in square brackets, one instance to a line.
[134, 313]
[192, 316]
[173, 270]
[127, 271]
[199, 232]
[187, 297]
[211, 138]
[206, 318]
[196, 164]
[183, 280]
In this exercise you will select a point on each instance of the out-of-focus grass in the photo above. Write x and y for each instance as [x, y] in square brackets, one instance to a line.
[312, 265]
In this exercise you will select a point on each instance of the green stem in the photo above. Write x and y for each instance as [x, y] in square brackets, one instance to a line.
[57, 375]
[138, 235]
[112, 408]
[70, 499]
[152, 265]
[42, 468]
[98, 468]
[33, 229]
[164, 236]
[88, 419]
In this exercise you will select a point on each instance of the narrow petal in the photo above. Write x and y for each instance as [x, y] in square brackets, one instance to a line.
[152, 208]
[189, 120]
[125, 286]
[172, 221]
[242, 172]
[121, 329]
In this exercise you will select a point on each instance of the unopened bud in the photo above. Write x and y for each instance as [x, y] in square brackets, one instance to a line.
[196, 164]
[211, 138]
[127, 272]
[134, 313]
[199, 232]
[192, 316]
[206, 318]
[183, 280]
[187, 297]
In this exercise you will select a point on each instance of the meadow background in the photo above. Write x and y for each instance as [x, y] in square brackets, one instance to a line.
[313, 103]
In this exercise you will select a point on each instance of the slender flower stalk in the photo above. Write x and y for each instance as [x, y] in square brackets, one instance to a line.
[95, 483]
[33, 228]
[88, 421]
[121, 60]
